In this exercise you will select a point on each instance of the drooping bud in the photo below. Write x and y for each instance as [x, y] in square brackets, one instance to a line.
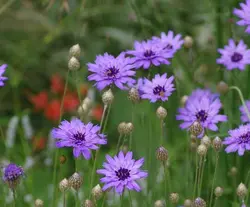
[73, 64]
[75, 181]
[187, 203]
[160, 203]
[161, 113]
[107, 97]
[39, 203]
[188, 42]
[241, 190]
[206, 141]
[217, 144]
[199, 202]
[202, 150]
[75, 51]
[174, 198]
[64, 185]
[161, 154]
[133, 95]
[121, 127]
[184, 100]
[196, 128]
[222, 87]
[88, 203]
[97, 192]
[218, 191]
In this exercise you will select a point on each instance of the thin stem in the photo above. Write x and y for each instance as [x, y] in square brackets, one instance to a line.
[130, 199]
[199, 175]
[106, 121]
[14, 198]
[77, 88]
[76, 199]
[104, 199]
[196, 175]
[165, 180]
[64, 199]
[215, 169]
[215, 202]
[131, 134]
[242, 99]
[121, 200]
[118, 143]
[161, 132]
[246, 182]
[202, 173]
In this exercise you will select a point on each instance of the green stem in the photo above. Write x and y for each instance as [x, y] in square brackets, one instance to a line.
[161, 132]
[106, 121]
[104, 199]
[199, 174]
[130, 199]
[14, 198]
[215, 169]
[202, 173]
[246, 182]
[77, 88]
[196, 175]
[121, 200]
[118, 143]
[165, 180]
[215, 202]
[64, 199]
[6, 6]
[131, 134]
[242, 99]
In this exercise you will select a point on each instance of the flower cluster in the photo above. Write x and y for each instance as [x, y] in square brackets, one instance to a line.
[12, 175]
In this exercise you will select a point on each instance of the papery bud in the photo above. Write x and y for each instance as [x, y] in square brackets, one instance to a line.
[218, 191]
[206, 141]
[187, 203]
[107, 97]
[128, 128]
[196, 128]
[188, 42]
[134, 95]
[241, 190]
[199, 202]
[161, 113]
[97, 192]
[160, 203]
[121, 128]
[217, 144]
[75, 51]
[88, 203]
[174, 198]
[222, 87]
[73, 64]
[87, 102]
[75, 181]
[64, 185]
[161, 154]
[39, 203]
[62, 159]
[82, 109]
[202, 150]
[184, 100]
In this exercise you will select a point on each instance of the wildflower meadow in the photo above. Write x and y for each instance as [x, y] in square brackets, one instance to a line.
[125, 103]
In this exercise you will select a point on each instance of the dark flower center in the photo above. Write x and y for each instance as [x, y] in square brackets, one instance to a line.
[201, 116]
[236, 57]
[79, 137]
[245, 138]
[169, 47]
[122, 173]
[111, 72]
[149, 53]
[159, 90]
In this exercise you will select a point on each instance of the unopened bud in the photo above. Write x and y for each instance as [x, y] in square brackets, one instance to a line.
[241, 190]
[184, 100]
[202, 150]
[82, 109]
[161, 113]
[107, 97]
[121, 127]
[128, 128]
[134, 95]
[62, 159]
[188, 42]
[196, 128]
[73, 64]
[233, 171]
[174, 198]
[75, 181]
[161, 154]
[75, 51]
[187, 203]
[218, 191]
[88, 203]
[87, 102]
[64, 185]
[206, 141]
[97, 192]
[217, 144]
[193, 146]
[159, 203]
[124, 149]
[199, 202]
[39, 203]
[222, 87]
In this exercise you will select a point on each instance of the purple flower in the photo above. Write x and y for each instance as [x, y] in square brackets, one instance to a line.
[146, 53]
[160, 88]
[244, 117]
[243, 13]
[239, 140]
[169, 42]
[204, 109]
[12, 175]
[234, 56]
[121, 172]
[108, 70]
[82, 138]
[2, 70]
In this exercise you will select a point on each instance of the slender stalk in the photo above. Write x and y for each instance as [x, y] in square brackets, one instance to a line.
[199, 175]
[6, 6]
[118, 143]
[64, 199]
[14, 198]
[202, 173]
[161, 132]
[104, 199]
[215, 202]
[130, 199]
[121, 200]
[165, 180]
[77, 88]
[106, 120]
[76, 199]
[196, 175]
[247, 183]
[131, 134]
[215, 169]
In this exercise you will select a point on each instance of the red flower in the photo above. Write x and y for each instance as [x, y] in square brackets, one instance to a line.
[70, 102]
[97, 112]
[57, 84]
[52, 111]
[39, 143]
[40, 101]
[84, 89]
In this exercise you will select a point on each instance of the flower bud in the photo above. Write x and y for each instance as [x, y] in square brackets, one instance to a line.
[87, 102]
[88, 203]
[188, 42]
[218, 191]
[75, 181]
[233, 171]
[161, 113]
[73, 64]
[97, 192]
[174, 198]
[241, 190]
[64, 185]
[39, 203]
[124, 149]
[134, 95]
[161, 154]
[62, 159]
[82, 109]
[121, 127]
[160, 203]
[184, 100]
[202, 150]
[196, 128]
[217, 144]
[75, 51]
[193, 146]
[128, 128]
[222, 87]
[107, 97]
[187, 203]
[199, 202]
[206, 141]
